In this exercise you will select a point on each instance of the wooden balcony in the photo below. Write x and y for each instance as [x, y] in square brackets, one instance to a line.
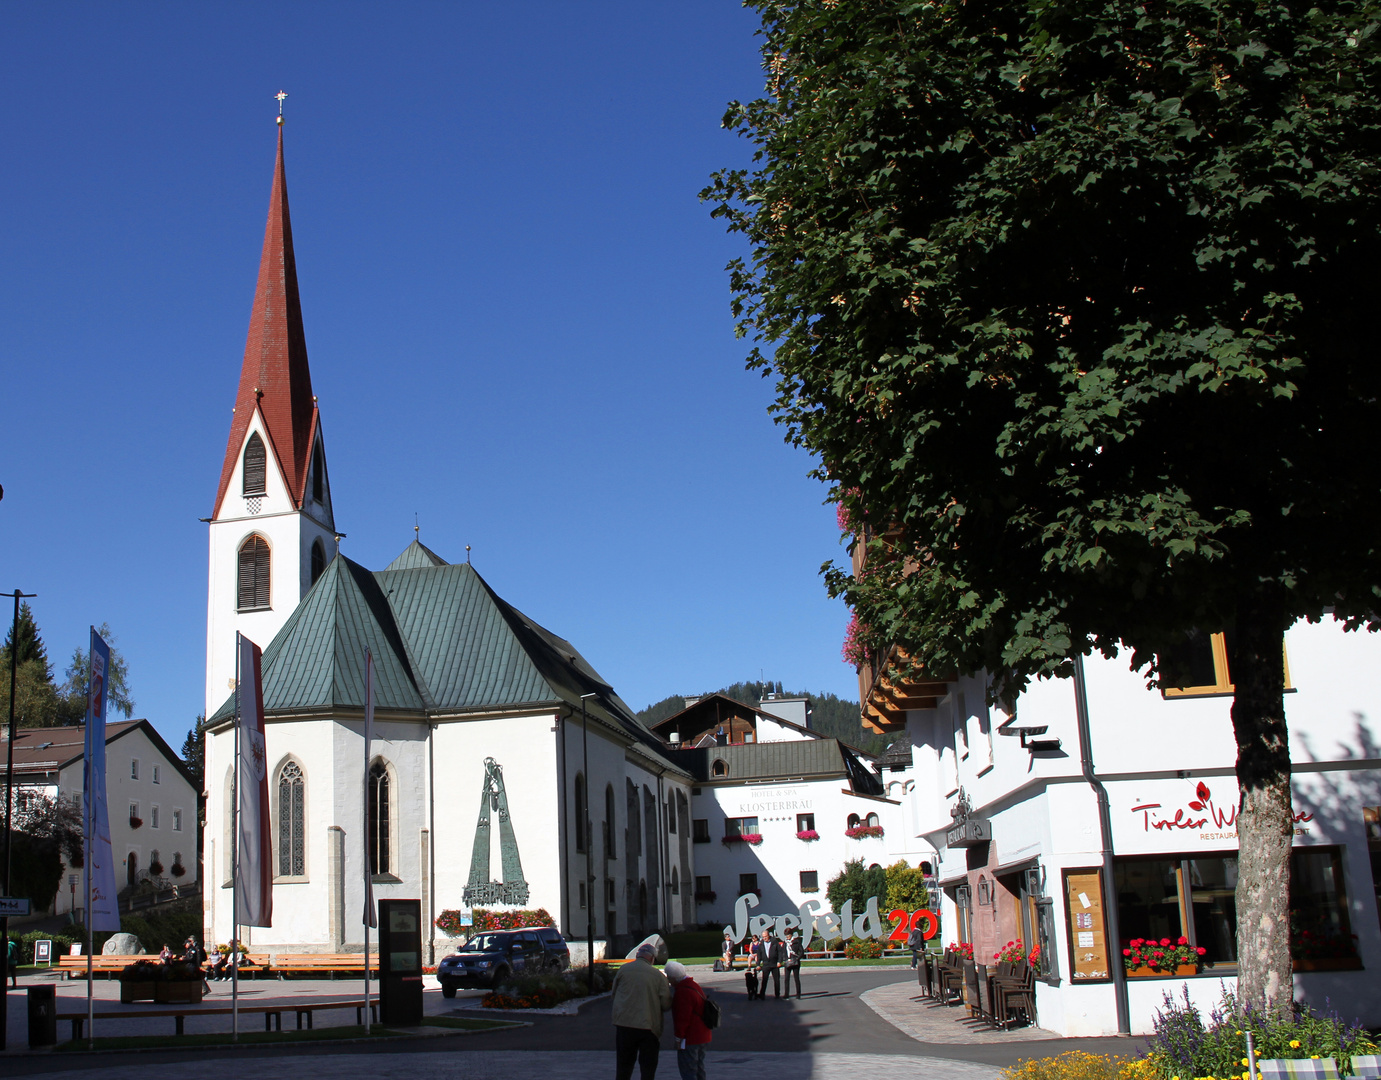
[886, 696]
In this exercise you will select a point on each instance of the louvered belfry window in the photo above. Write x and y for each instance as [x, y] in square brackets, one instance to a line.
[254, 574]
[256, 466]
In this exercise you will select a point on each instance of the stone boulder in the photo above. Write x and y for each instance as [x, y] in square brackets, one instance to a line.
[657, 942]
[122, 945]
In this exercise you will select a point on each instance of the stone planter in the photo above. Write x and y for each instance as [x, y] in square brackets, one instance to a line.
[138, 991]
[1156, 973]
[177, 993]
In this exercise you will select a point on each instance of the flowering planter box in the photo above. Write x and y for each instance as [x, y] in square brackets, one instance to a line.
[138, 991]
[1159, 973]
[177, 993]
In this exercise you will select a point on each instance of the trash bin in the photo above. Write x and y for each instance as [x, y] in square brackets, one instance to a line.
[43, 1015]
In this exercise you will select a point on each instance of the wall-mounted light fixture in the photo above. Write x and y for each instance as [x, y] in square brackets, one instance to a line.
[985, 891]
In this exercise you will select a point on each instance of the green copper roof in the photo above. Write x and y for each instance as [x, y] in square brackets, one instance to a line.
[416, 555]
[442, 641]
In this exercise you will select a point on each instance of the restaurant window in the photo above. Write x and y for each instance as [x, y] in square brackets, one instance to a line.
[702, 830]
[1202, 665]
[735, 827]
[805, 822]
[810, 881]
[1196, 898]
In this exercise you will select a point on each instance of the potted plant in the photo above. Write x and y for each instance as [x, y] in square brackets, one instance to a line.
[178, 869]
[181, 983]
[155, 868]
[705, 897]
[1011, 953]
[863, 832]
[135, 822]
[807, 834]
[1148, 957]
[139, 980]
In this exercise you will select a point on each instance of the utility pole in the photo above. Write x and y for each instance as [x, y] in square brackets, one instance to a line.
[589, 843]
[9, 810]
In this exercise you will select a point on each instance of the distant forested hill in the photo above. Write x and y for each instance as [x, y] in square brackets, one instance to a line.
[829, 715]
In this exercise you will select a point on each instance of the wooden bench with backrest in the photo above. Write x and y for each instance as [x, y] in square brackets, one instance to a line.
[273, 1014]
[317, 963]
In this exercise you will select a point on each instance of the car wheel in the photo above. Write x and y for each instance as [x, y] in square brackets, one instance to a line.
[448, 991]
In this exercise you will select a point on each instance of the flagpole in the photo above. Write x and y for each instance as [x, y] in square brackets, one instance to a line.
[368, 706]
[88, 824]
[235, 864]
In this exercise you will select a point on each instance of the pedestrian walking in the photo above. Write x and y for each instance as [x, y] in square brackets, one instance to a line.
[641, 995]
[756, 976]
[915, 941]
[773, 957]
[795, 953]
[688, 1022]
[12, 962]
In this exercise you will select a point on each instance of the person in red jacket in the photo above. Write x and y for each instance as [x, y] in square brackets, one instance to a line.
[687, 1007]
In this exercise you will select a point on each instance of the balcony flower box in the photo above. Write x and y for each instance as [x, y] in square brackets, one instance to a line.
[863, 832]
[135, 822]
[1152, 973]
[748, 838]
[705, 897]
[807, 834]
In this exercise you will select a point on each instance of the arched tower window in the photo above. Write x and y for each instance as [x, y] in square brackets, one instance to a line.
[253, 587]
[255, 466]
[318, 559]
[582, 812]
[380, 833]
[719, 768]
[318, 477]
[292, 809]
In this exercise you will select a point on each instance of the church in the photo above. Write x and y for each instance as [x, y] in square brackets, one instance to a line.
[481, 713]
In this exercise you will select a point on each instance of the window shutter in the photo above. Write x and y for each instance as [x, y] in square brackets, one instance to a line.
[256, 466]
[253, 584]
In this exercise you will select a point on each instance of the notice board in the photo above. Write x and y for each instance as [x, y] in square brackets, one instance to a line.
[1088, 939]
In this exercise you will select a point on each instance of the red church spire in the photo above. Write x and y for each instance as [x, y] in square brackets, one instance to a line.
[275, 376]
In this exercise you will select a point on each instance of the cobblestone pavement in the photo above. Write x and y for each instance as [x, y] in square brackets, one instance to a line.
[903, 1006]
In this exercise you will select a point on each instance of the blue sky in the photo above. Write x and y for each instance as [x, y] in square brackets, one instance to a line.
[516, 310]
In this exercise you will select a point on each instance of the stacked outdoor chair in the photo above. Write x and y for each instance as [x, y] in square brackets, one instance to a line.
[923, 975]
[980, 1003]
[1014, 994]
[951, 977]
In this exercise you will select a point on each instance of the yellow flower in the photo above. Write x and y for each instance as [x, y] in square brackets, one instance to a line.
[1313, 1057]
[1294, 1044]
[1245, 1061]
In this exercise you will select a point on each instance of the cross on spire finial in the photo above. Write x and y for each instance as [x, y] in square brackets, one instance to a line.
[282, 96]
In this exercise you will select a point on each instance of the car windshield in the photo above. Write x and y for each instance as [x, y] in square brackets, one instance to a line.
[486, 943]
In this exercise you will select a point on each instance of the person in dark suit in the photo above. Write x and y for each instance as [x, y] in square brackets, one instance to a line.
[774, 956]
[754, 978]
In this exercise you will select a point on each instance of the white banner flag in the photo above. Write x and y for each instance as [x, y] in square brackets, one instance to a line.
[371, 917]
[254, 871]
[100, 867]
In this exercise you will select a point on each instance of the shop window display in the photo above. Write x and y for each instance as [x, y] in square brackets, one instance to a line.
[1196, 899]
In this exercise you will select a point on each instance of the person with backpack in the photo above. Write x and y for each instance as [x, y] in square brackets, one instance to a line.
[915, 941]
[12, 961]
[693, 1015]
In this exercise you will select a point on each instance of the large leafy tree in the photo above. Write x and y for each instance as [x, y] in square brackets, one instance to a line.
[1072, 303]
[77, 679]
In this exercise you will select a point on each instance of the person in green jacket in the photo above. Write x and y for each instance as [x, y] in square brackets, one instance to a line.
[641, 995]
[12, 961]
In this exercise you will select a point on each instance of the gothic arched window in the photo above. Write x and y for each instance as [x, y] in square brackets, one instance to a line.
[318, 559]
[582, 812]
[380, 805]
[253, 580]
[292, 832]
[255, 473]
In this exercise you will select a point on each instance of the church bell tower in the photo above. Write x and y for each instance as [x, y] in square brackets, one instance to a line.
[272, 531]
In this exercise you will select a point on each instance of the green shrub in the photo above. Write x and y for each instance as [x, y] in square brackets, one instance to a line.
[1183, 1045]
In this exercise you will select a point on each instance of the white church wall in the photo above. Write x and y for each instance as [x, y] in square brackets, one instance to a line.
[525, 749]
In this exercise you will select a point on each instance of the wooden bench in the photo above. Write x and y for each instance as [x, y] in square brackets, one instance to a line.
[273, 1014]
[250, 964]
[75, 966]
[330, 963]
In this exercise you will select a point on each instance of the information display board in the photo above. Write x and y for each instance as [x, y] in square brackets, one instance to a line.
[43, 953]
[1088, 940]
[400, 962]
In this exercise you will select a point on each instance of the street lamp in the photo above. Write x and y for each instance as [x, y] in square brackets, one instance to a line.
[589, 843]
[9, 809]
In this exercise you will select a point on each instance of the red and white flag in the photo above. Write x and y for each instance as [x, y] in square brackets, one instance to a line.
[254, 870]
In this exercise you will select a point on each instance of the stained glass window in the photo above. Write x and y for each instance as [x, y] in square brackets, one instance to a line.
[292, 859]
